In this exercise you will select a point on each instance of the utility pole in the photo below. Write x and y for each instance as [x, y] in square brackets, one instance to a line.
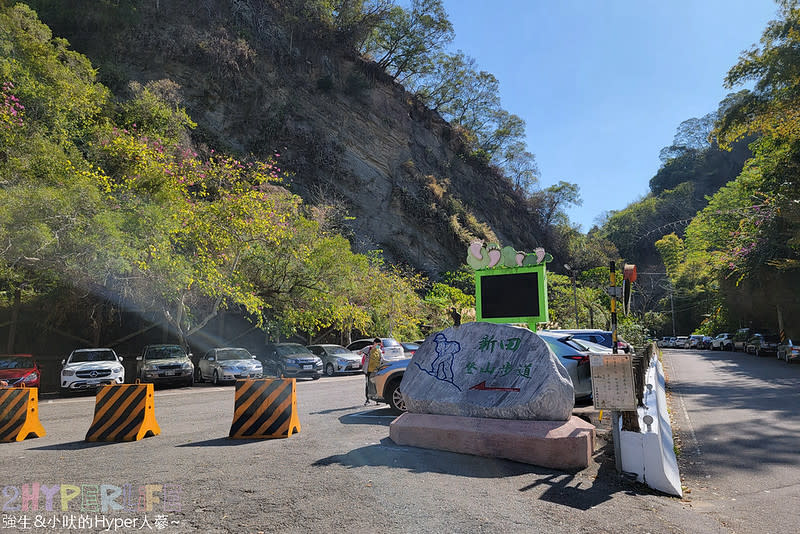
[672, 309]
[391, 318]
[575, 298]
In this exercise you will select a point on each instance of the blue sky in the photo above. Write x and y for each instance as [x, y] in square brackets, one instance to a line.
[603, 84]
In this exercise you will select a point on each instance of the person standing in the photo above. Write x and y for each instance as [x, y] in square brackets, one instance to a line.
[373, 361]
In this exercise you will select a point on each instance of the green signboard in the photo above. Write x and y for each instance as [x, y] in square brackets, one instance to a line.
[512, 294]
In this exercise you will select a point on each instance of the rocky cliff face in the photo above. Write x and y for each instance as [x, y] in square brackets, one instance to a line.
[357, 142]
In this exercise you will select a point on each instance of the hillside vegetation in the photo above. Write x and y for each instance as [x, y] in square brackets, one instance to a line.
[221, 162]
[724, 210]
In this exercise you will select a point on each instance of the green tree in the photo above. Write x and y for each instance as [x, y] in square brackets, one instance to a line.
[673, 253]
[405, 42]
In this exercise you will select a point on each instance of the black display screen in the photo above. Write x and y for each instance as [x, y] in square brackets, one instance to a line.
[509, 295]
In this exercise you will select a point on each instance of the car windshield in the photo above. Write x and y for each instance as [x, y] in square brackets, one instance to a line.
[389, 342]
[165, 353]
[772, 338]
[234, 354]
[15, 362]
[410, 346]
[93, 356]
[338, 350]
[293, 349]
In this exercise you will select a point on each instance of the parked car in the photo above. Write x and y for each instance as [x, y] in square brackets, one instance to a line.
[695, 341]
[663, 342]
[789, 351]
[20, 370]
[227, 364]
[740, 339]
[592, 347]
[391, 348]
[409, 348]
[291, 360]
[336, 359]
[706, 342]
[682, 342]
[91, 368]
[165, 364]
[723, 341]
[574, 356]
[384, 384]
[601, 337]
[763, 344]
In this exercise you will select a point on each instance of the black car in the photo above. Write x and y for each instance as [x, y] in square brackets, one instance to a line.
[290, 360]
[763, 344]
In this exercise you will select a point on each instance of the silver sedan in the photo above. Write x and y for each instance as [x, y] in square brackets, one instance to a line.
[227, 365]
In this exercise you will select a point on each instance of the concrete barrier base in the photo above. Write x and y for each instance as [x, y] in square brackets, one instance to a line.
[564, 445]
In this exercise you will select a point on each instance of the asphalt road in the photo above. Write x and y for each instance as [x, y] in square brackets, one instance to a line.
[340, 473]
[738, 419]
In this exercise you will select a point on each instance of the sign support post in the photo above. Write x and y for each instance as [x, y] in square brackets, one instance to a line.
[615, 420]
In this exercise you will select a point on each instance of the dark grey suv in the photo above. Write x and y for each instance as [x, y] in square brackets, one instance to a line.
[290, 360]
[601, 337]
[165, 364]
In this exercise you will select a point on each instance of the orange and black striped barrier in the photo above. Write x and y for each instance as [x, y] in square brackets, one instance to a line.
[265, 408]
[19, 414]
[124, 412]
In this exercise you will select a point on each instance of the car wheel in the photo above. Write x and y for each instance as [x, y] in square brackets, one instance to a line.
[215, 378]
[198, 376]
[395, 398]
[757, 353]
[329, 370]
[315, 377]
[189, 381]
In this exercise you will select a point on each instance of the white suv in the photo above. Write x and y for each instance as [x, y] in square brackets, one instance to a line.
[91, 368]
[391, 348]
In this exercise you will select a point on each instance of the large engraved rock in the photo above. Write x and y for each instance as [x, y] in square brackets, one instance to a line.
[488, 370]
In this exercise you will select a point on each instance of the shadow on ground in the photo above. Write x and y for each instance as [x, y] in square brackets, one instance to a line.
[580, 490]
[76, 445]
[370, 415]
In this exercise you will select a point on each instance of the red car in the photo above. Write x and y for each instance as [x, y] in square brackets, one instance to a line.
[19, 370]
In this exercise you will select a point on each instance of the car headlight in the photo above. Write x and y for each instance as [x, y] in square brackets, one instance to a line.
[31, 377]
[150, 367]
[187, 365]
[116, 370]
[67, 372]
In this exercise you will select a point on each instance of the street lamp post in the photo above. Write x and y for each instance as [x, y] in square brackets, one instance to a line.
[574, 292]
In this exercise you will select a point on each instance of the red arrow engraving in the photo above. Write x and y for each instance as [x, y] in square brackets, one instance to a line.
[483, 387]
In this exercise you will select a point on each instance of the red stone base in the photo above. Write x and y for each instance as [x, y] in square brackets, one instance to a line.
[564, 445]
